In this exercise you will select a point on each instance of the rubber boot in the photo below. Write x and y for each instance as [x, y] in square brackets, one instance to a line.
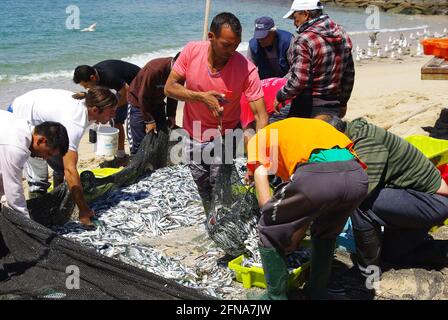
[368, 248]
[275, 273]
[322, 252]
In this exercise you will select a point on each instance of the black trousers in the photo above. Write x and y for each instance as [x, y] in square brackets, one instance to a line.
[324, 194]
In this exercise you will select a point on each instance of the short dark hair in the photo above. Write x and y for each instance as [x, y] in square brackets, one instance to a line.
[226, 18]
[83, 73]
[56, 135]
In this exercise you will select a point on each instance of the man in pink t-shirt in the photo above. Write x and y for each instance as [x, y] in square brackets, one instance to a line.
[215, 77]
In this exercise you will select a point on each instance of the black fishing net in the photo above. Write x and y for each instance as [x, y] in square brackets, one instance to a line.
[56, 207]
[53, 208]
[234, 211]
[36, 263]
[151, 155]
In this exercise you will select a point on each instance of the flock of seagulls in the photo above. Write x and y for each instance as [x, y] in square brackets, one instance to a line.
[396, 48]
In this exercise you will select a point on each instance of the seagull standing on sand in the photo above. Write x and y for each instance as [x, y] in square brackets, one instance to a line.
[404, 44]
[419, 49]
[91, 28]
[378, 53]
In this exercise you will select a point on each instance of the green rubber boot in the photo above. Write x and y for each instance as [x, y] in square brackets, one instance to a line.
[275, 273]
[322, 252]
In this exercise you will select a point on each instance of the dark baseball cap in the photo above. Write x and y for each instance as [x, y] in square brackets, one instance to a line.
[262, 27]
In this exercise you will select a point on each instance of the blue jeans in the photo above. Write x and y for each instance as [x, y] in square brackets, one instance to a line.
[401, 209]
[406, 215]
[137, 128]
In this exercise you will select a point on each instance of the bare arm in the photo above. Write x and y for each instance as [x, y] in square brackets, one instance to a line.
[174, 89]
[74, 183]
[259, 110]
[262, 185]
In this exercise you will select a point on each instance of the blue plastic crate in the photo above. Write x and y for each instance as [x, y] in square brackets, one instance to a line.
[345, 239]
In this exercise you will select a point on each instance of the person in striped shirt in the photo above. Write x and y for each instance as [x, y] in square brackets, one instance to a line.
[407, 196]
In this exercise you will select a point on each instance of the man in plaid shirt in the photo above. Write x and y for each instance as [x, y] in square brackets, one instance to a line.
[322, 71]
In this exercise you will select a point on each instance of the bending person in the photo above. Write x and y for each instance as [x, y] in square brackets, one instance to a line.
[147, 102]
[323, 184]
[407, 196]
[116, 75]
[75, 112]
[19, 141]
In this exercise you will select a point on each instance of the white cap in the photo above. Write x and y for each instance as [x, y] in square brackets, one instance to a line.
[302, 5]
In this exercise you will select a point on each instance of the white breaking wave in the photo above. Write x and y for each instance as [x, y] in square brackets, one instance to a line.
[388, 30]
[137, 59]
[34, 77]
[142, 58]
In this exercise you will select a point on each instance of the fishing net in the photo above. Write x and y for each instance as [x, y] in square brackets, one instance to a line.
[36, 263]
[234, 211]
[54, 208]
[151, 155]
[57, 207]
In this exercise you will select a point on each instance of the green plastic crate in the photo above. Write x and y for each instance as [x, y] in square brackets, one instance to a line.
[435, 150]
[254, 276]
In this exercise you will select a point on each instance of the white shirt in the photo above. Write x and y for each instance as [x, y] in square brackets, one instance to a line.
[57, 105]
[15, 140]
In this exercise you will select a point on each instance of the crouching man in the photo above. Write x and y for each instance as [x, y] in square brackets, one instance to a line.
[323, 184]
[407, 196]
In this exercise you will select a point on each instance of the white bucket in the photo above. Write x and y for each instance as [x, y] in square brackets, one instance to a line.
[106, 141]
